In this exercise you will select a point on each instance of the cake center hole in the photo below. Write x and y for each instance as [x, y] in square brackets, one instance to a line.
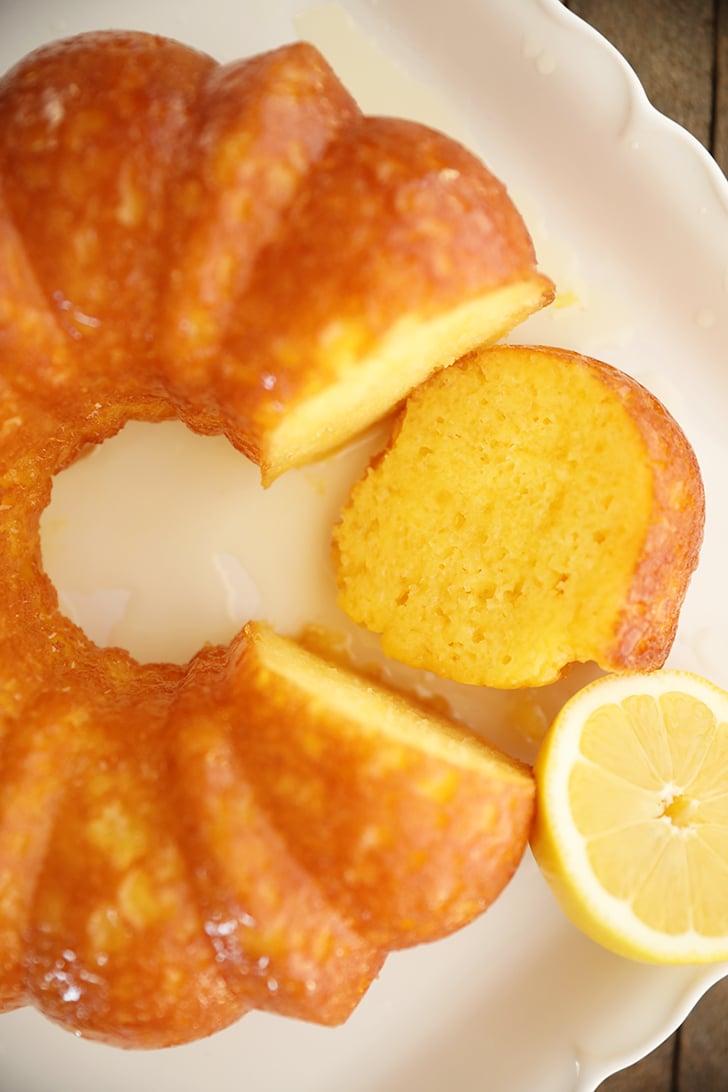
[160, 541]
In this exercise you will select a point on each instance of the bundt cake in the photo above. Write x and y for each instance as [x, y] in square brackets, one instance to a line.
[239, 248]
[534, 508]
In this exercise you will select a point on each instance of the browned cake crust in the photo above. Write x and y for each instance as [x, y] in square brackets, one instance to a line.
[649, 617]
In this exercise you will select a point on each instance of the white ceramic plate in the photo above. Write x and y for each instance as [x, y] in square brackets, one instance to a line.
[630, 217]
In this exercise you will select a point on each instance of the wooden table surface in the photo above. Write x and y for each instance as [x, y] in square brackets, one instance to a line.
[679, 50]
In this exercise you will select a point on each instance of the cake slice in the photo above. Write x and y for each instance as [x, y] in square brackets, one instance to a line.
[534, 508]
[410, 823]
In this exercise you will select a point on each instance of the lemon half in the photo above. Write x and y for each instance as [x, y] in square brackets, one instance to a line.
[631, 829]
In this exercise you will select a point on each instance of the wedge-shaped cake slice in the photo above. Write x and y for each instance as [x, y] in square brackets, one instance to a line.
[534, 508]
[409, 824]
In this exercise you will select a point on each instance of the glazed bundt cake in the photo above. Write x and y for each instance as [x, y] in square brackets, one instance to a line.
[534, 508]
[257, 830]
[239, 248]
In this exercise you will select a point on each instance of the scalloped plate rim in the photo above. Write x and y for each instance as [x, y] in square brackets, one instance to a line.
[643, 118]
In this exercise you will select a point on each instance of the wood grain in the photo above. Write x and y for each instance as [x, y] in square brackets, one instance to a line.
[655, 1073]
[679, 50]
[720, 103]
[702, 1061]
[670, 44]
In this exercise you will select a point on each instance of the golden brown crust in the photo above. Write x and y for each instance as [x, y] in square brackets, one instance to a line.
[262, 125]
[111, 937]
[648, 621]
[91, 131]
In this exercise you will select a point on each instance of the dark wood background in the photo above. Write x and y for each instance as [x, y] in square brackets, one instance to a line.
[679, 50]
